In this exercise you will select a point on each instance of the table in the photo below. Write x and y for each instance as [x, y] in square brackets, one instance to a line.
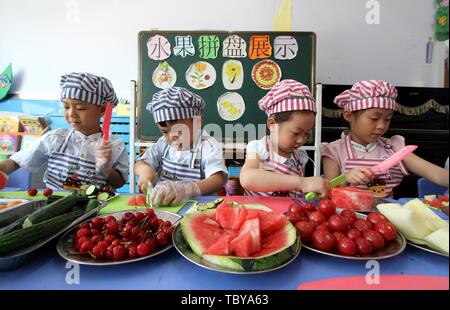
[173, 272]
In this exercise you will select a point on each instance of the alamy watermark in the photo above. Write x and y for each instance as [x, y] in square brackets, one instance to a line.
[373, 13]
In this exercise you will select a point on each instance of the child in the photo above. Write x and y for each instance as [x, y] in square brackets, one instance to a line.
[72, 153]
[274, 165]
[369, 107]
[185, 161]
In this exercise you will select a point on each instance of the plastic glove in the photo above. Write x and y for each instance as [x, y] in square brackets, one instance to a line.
[103, 160]
[173, 193]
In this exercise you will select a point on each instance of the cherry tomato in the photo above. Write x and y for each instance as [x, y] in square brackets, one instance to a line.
[362, 225]
[323, 226]
[387, 230]
[47, 192]
[338, 235]
[293, 217]
[353, 233]
[375, 238]
[305, 229]
[296, 208]
[327, 207]
[323, 240]
[364, 246]
[375, 217]
[32, 192]
[347, 246]
[317, 216]
[337, 223]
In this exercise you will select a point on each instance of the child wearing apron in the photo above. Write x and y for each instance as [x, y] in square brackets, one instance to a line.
[71, 153]
[274, 165]
[368, 108]
[185, 161]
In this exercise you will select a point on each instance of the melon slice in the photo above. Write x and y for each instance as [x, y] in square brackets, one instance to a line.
[428, 217]
[249, 239]
[352, 198]
[270, 222]
[227, 215]
[438, 240]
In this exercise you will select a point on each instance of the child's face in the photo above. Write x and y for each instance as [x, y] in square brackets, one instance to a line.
[368, 125]
[82, 116]
[293, 133]
[179, 133]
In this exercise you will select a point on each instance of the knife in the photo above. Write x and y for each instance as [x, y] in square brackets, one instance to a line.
[107, 121]
[385, 165]
[333, 183]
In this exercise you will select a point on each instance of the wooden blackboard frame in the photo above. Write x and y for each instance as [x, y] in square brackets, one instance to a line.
[146, 128]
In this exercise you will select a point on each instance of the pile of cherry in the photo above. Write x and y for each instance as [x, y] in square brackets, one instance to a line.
[136, 234]
[328, 231]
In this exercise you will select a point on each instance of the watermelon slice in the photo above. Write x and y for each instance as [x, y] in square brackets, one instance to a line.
[247, 249]
[352, 198]
[3, 180]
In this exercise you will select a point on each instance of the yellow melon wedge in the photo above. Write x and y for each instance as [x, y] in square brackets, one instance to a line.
[428, 217]
[438, 240]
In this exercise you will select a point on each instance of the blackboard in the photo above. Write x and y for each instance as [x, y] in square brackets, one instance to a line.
[300, 68]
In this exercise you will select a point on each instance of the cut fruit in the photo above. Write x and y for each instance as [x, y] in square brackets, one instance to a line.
[3, 180]
[438, 240]
[429, 218]
[249, 239]
[352, 198]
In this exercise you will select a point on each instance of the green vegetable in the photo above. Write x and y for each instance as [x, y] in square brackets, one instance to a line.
[58, 207]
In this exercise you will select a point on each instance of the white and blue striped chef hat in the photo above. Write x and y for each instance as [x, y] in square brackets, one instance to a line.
[87, 87]
[175, 103]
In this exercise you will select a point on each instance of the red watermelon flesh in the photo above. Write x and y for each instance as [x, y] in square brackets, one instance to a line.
[242, 217]
[132, 201]
[226, 215]
[270, 222]
[249, 239]
[272, 243]
[206, 230]
[221, 247]
[3, 180]
[352, 198]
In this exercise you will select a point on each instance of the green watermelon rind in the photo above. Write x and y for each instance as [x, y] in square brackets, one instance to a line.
[238, 263]
[260, 263]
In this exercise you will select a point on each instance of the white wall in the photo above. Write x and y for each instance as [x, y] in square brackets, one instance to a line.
[46, 38]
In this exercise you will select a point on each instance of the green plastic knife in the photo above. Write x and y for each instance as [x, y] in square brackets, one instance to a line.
[333, 183]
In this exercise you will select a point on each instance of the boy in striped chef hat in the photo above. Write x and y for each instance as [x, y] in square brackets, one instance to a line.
[274, 165]
[71, 153]
[369, 107]
[185, 161]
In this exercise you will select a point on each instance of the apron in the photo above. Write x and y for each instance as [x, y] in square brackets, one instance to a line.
[271, 164]
[384, 182]
[66, 171]
[174, 171]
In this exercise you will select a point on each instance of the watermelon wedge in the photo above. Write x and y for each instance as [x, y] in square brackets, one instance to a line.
[352, 198]
[3, 180]
[265, 239]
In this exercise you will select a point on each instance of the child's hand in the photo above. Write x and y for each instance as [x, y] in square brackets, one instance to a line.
[174, 192]
[359, 176]
[315, 184]
[103, 159]
[144, 180]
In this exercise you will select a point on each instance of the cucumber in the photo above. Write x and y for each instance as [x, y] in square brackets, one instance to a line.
[92, 204]
[25, 237]
[53, 198]
[58, 207]
[17, 224]
[103, 196]
[209, 205]
[91, 190]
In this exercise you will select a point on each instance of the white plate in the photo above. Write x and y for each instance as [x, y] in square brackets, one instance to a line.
[231, 106]
[201, 75]
[426, 248]
[65, 246]
[164, 76]
[232, 74]
[391, 249]
[266, 74]
[4, 201]
[183, 247]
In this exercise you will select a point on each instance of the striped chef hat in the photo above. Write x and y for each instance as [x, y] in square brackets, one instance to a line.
[175, 103]
[287, 95]
[368, 94]
[87, 87]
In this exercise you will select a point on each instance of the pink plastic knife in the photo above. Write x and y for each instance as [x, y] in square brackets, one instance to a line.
[107, 121]
[394, 159]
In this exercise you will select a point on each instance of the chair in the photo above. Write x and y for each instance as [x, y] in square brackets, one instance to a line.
[426, 187]
[20, 178]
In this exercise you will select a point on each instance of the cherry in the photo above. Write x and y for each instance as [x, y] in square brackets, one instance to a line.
[47, 192]
[32, 192]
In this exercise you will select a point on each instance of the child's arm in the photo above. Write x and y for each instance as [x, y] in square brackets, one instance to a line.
[116, 179]
[212, 184]
[8, 166]
[254, 178]
[145, 174]
[356, 176]
[427, 170]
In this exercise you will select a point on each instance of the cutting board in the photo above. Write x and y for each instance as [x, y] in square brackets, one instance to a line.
[278, 204]
[387, 282]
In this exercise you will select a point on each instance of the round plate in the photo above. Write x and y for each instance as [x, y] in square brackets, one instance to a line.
[231, 106]
[65, 243]
[426, 248]
[391, 249]
[201, 75]
[164, 76]
[266, 74]
[183, 247]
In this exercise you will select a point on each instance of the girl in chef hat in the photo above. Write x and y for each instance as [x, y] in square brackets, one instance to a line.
[369, 107]
[275, 165]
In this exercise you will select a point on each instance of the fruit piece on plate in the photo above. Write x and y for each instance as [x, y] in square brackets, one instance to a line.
[3, 180]
[429, 218]
[438, 240]
[352, 198]
[405, 220]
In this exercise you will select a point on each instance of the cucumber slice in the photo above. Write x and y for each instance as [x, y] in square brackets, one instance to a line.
[91, 190]
[102, 196]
